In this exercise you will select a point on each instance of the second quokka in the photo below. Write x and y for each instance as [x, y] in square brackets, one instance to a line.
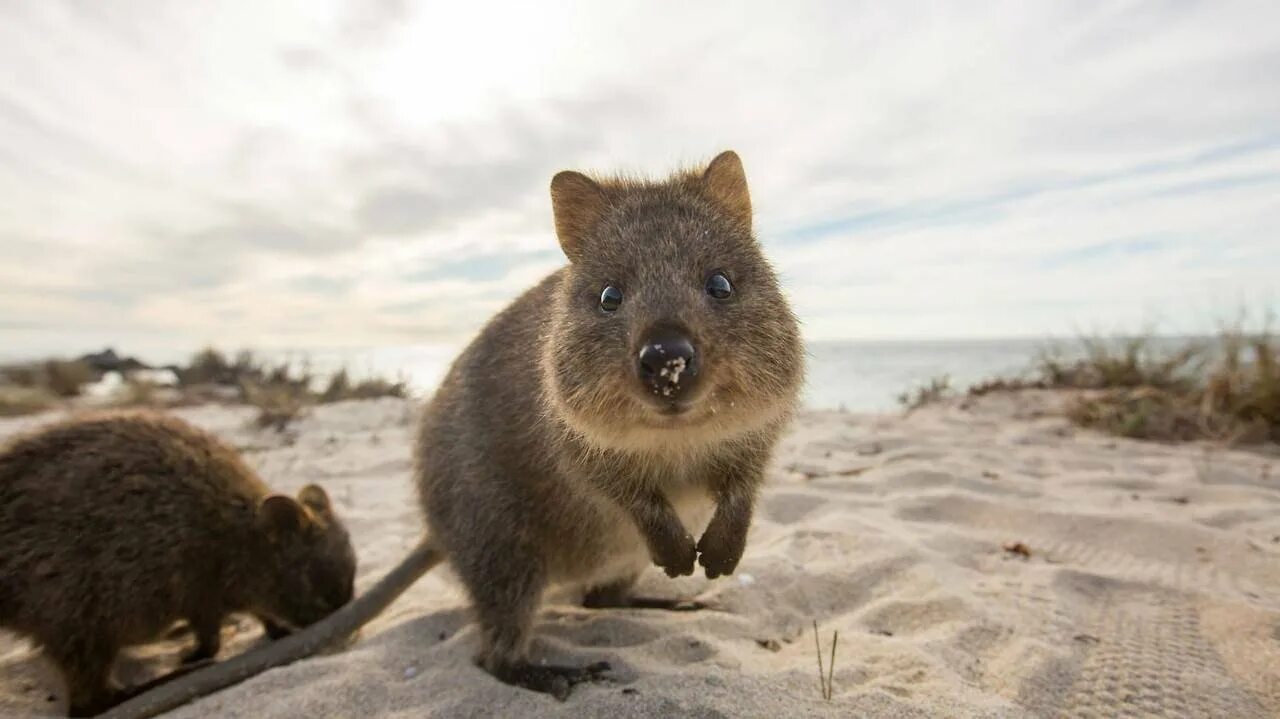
[115, 526]
[623, 404]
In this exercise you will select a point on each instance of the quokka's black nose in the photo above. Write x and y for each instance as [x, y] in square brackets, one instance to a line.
[668, 364]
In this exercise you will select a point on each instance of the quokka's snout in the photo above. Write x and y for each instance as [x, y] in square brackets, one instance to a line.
[668, 365]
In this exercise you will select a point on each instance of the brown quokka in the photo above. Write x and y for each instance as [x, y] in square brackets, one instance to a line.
[594, 424]
[114, 526]
[612, 408]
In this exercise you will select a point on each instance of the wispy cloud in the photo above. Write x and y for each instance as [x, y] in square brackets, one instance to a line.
[332, 172]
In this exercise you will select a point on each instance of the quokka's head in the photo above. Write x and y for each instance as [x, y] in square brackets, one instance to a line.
[306, 567]
[669, 327]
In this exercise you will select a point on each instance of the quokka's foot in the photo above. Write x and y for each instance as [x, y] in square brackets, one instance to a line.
[556, 680]
[662, 603]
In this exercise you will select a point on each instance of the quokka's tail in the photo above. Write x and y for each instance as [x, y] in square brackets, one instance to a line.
[174, 691]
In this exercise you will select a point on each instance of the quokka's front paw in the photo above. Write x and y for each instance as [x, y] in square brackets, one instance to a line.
[675, 552]
[720, 550]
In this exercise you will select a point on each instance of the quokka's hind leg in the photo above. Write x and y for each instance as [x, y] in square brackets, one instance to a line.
[506, 589]
[86, 666]
[618, 595]
[558, 680]
[273, 630]
[208, 631]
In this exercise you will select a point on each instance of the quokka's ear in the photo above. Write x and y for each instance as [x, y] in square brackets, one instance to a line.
[314, 497]
[578, 202]
[280, 516]
[726, 182]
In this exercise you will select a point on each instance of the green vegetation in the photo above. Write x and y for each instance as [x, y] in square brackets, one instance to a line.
[37, 386]
[281, 391]
[938, 389]
[1228, 390]
[1224, 389]
[60, 378]
[25, 400]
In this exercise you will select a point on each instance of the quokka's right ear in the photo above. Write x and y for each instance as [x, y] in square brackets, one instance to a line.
[280, 516]
[727, 183]
[578, 203]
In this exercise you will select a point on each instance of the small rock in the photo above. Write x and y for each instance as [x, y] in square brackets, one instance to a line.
[770, 644]
[410, 672]
[808, 471]
[746, 580]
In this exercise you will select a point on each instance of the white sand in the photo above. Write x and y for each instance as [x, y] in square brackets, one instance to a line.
[1152, 589]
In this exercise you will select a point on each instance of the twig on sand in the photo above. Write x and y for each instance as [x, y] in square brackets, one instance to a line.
[1017, 548]
[825, 677]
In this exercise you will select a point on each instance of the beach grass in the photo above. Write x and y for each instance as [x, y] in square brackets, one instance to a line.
[282, 391]
[1225, 388]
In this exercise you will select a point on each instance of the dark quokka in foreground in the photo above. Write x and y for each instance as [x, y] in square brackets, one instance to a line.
[115, 526]
[627, 401]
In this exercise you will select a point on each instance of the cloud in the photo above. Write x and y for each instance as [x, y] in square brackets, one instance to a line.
[501, 164]
[366, 22]
[256, 232]
[348, 173]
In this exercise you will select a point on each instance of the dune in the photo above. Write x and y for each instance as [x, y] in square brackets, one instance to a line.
[979, 558]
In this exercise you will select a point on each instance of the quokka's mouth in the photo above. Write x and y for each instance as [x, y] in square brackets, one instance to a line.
[671, 414]
[674, 409]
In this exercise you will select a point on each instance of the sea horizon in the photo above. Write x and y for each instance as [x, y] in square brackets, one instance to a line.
[859, 375]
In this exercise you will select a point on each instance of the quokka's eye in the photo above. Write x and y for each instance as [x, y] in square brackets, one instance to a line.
[610, 299]
[718, 286]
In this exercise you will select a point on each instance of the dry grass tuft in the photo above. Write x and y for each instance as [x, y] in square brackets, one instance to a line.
[16, 401]
[1233, 396]
[281, 391]
[278, 405]
[340, 388]
[1226, 389]
[31, 387]
[62, 378]
[938, 389]
[1127, 363]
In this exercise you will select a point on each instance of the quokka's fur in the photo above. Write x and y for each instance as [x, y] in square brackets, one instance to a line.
[113, 527]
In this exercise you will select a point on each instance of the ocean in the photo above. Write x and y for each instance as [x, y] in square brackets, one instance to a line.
[862, 376]
[869, 376]
[859, 376]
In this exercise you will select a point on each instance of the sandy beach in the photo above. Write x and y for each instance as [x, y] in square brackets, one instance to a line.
[977, 557]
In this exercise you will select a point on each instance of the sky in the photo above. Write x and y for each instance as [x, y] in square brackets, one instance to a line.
[321, 174]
